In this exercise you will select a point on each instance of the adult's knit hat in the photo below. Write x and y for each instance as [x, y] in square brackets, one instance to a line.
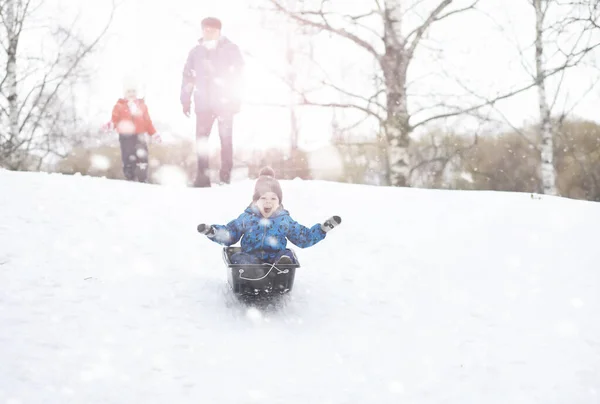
[266, 182]
[211, 22]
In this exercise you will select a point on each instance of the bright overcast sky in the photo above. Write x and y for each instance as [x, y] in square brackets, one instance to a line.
[151, 40]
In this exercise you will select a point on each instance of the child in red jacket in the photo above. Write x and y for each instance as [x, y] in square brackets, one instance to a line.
[131, 120]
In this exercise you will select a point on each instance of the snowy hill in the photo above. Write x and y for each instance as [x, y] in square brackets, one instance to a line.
[109, 295]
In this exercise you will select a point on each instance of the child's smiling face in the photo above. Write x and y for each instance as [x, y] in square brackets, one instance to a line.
[131, 94]
[267, 203]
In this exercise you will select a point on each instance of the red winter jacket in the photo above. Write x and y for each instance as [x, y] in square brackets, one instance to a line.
[134, 120]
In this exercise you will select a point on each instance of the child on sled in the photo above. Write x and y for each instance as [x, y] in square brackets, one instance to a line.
[265, 226]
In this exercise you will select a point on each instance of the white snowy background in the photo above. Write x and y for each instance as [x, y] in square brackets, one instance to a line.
[109, 295]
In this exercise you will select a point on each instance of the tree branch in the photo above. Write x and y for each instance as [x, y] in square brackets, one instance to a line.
[491, 102]
[325, 26]
[369, 101]
[420, 30]
[76, 62]
[342, 105]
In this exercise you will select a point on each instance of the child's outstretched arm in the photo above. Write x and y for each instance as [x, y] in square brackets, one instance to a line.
[116, 116]
[304, 237]
[225, 235]
[149, 124]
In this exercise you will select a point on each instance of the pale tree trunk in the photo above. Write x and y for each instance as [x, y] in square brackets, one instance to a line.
[396, 126]
[11, 72]
[548, 171]
[292, 163]
[291, 77]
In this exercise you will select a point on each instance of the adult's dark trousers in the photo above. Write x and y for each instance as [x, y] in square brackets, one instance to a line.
[204, 124]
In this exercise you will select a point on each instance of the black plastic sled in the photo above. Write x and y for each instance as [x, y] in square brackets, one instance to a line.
[259, 279]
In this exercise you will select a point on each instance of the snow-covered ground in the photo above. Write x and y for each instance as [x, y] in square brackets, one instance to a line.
[109, 295]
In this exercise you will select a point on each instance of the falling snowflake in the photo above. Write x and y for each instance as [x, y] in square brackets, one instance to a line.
[222, 235]
[265, 222]
[396, 387]
[567, 329]
[126, 127]
[210, 44]
[99, 162]
[256, 395]
[171, 175]
[154, 162]
[254, 314]
[141, 153]
[577, 303]
[272, 241]
[467, 177]
[202, 148]
[133, 108]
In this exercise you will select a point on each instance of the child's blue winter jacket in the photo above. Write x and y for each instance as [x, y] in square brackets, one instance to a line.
[264, 238]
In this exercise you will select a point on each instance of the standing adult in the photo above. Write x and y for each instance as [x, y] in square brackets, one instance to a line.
[213, 73]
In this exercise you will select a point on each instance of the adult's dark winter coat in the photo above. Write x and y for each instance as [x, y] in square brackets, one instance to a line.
[213, 77]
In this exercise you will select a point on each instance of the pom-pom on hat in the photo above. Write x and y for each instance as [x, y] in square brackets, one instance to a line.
[266, 182]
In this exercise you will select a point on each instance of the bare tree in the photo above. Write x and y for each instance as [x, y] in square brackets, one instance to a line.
[35, 93]
[393, 47]
[579, 28]
[382, 33]
[565, 33]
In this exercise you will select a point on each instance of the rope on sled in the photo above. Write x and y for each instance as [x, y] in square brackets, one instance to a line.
[279, 272]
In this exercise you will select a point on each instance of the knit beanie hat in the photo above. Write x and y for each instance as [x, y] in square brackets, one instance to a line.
[266, 182]
[212, 22]
[130, 83]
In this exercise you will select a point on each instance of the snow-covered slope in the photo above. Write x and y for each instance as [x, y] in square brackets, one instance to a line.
[109, 295]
